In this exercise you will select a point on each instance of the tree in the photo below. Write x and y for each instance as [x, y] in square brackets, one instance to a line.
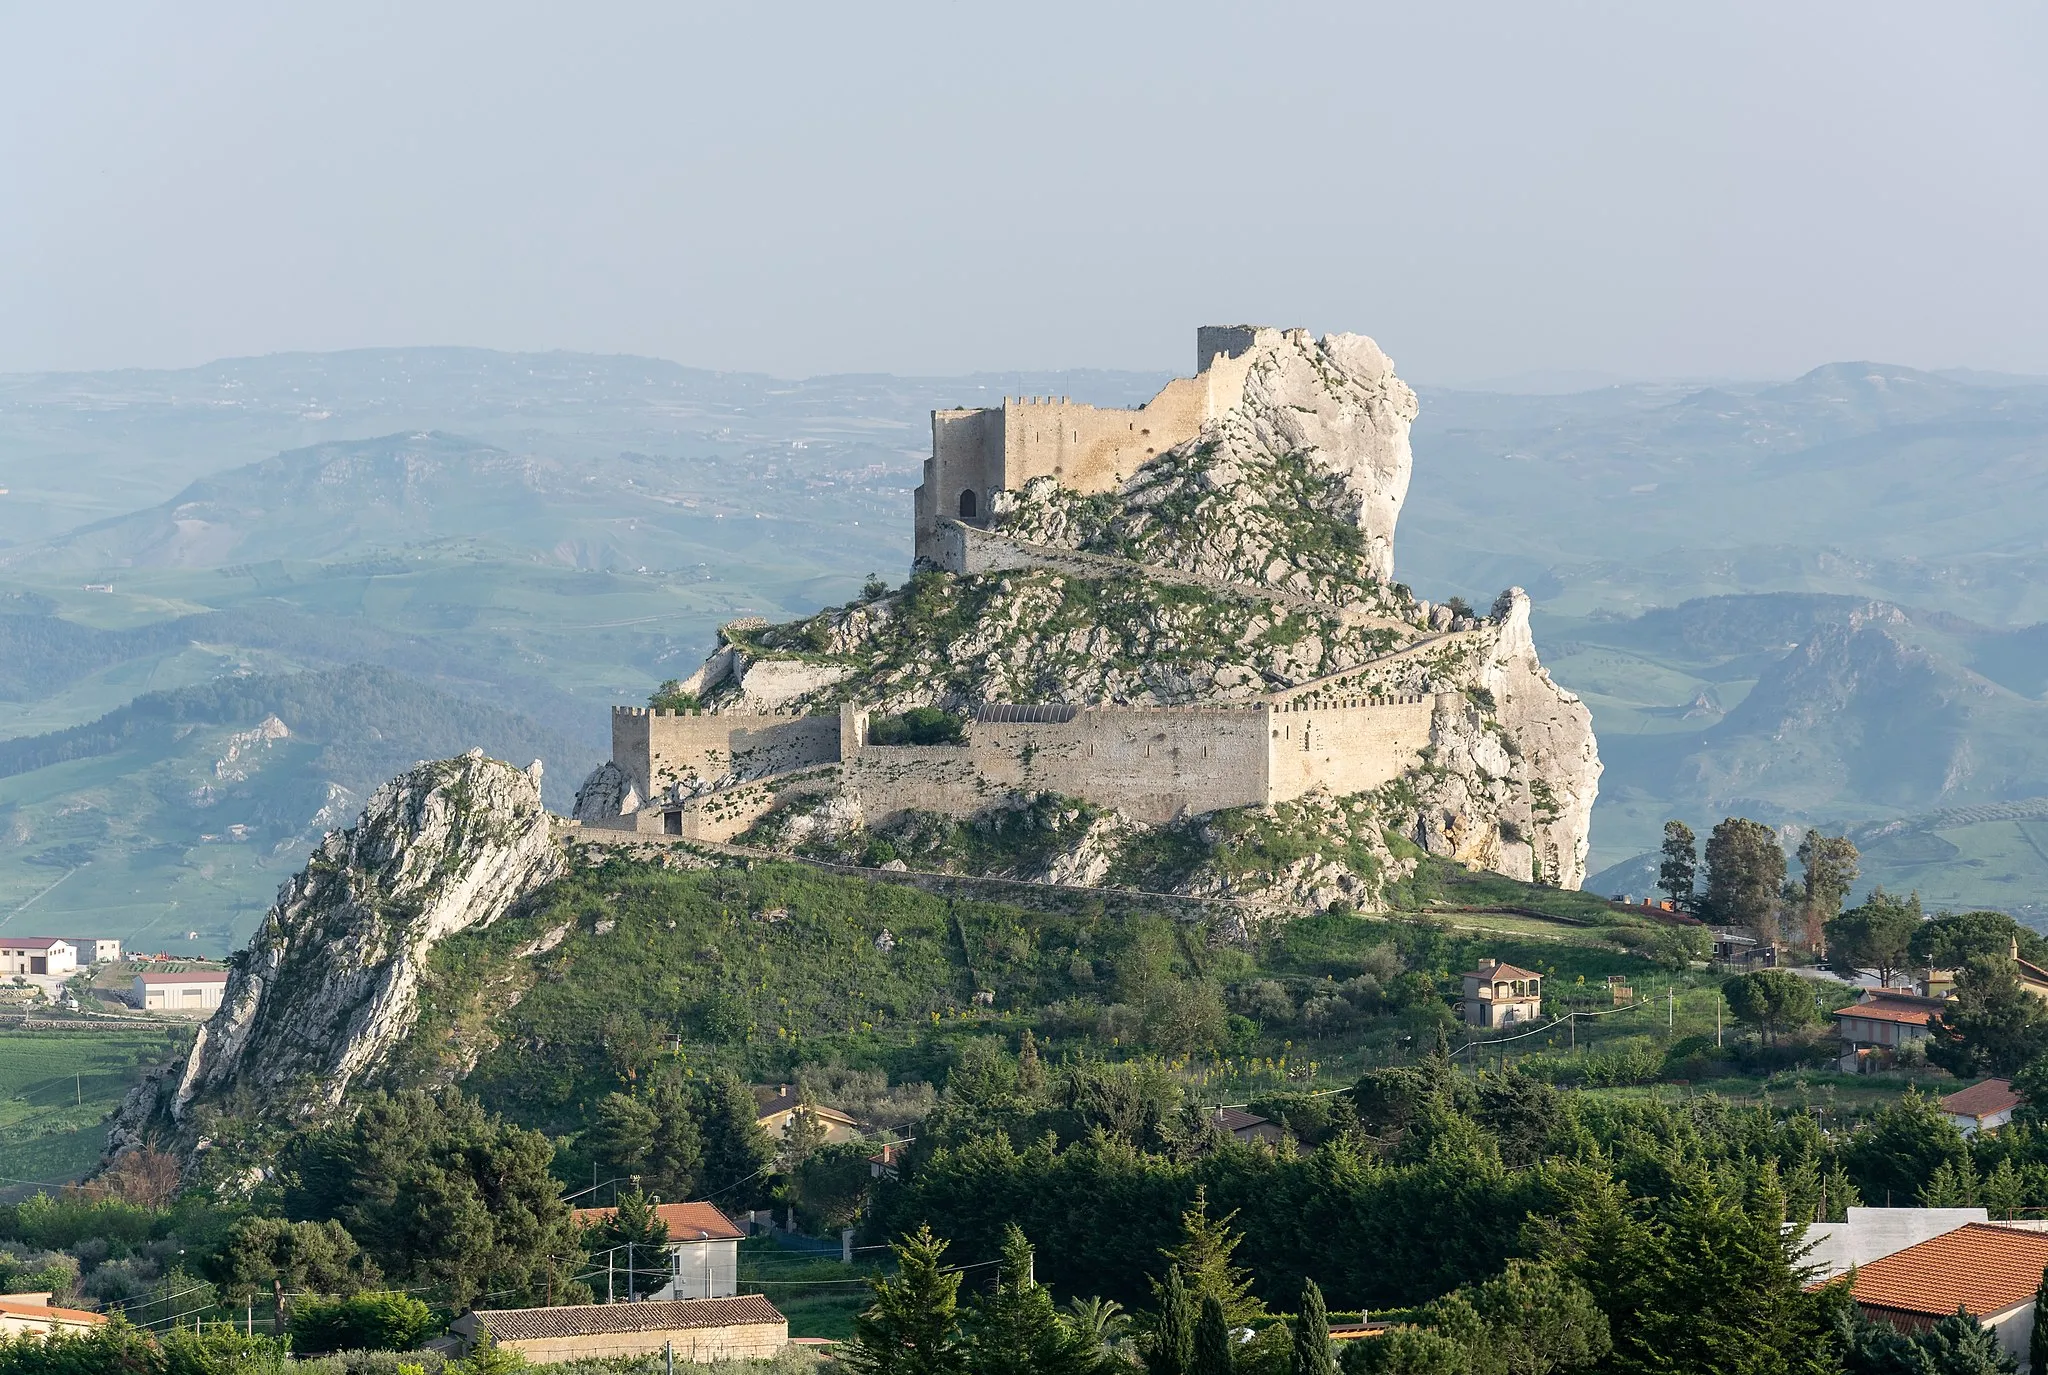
[805, 1135]
[1830, 872]
[1030, 1069]
[281, 1255]
[1876, 936]
[1203, 1261]
[1952, 939]
[1772, 1001]
[1702, 1277]
[1960, 1345]
[913, 1326]
[1097, 1325]
[737, 1152]
[1901, 1147]
[671, 697]
[1015, 1330]
[1171, 1347]
[370, 1321]
[1312, 1335]
[1992, 1025]
[440, 1192]
[630, 1238]
[1212, 1340]
[622, 1133]
[1745, 876]
[1679, 870]
[1407, 1351]
[1538, 1319]
[2037, 1344]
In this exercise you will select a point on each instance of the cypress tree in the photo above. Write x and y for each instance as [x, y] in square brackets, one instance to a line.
[1172, 1350]
[1212, 1340]
[2037, 1344]
[1312, 1335]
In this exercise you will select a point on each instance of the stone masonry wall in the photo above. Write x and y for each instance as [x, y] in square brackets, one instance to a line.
[659, 749]
[1153, 764]
[1344, 749]
[1085, 448]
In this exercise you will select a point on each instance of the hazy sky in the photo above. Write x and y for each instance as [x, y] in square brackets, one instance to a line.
[1634, 188]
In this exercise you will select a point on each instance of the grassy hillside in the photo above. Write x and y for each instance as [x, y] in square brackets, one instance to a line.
[771, 967]
[56, 1089]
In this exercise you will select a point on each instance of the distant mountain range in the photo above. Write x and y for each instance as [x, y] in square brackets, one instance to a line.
[1817, 601]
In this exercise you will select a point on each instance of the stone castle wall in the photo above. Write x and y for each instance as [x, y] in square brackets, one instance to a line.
[1153, 764]
[1084, 448]
[660, 749]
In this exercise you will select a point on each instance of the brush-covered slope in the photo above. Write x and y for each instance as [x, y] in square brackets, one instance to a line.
[1255, 557]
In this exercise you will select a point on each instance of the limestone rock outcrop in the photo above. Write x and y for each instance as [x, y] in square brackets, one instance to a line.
[328, 986]
[1252, 562]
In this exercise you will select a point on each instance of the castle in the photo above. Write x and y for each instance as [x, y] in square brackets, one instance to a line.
[1087, 449]
[1502, 760]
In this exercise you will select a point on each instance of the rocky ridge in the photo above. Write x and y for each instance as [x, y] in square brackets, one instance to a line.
[1294, 492]
[328, 987]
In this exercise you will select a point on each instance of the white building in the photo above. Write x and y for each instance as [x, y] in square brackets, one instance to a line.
[95, 949]
[199, 990]
[703, 1249]
[1498, 994]
[37, 955]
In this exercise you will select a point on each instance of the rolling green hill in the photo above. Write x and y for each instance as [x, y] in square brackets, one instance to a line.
[182, 811]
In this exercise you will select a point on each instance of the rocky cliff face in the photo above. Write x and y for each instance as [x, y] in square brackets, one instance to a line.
[328, 986]
[1255, 558]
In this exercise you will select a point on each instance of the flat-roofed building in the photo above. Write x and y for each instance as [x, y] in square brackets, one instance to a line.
[198, 990]
[95, 949]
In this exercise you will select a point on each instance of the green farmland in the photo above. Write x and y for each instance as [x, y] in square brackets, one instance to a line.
[56, 1089]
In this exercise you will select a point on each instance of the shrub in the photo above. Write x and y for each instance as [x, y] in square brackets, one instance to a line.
[918, 726]
[372, 1321]
[671, 697]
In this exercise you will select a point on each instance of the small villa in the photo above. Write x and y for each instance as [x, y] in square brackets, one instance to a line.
[1499, 994]
[1874, 1030]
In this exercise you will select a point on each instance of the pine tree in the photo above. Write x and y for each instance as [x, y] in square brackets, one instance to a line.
[1203, 1259]
[1171, 1350]
[1212, 1340]
[1030, 1070]
[1680, 869]
[1312, 1335]
[1016, 1330]
[913, 1326]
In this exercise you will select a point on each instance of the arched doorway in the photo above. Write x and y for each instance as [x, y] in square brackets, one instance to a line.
[967, 504]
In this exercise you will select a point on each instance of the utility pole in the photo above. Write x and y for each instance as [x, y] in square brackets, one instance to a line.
[1572, 1021]
[1670, 1007]
[1717, 1023]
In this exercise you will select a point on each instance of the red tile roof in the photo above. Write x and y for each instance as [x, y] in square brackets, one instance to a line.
[1987, 1099]
[590, 1319]
[771, 1101]
[685, 1221]
[32, 942]
[1237, 1119]
[1981, 1268]
[1888, 1010]
[1499, 971]
[13, 1307]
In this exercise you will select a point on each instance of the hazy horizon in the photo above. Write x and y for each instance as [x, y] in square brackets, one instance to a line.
[928, 190]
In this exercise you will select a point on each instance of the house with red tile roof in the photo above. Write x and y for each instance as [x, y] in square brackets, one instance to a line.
[1989, 1271]
[33, 1315]
[1874, 1030]
[703, 1253]
[1499, 994]
[1983, 1107]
